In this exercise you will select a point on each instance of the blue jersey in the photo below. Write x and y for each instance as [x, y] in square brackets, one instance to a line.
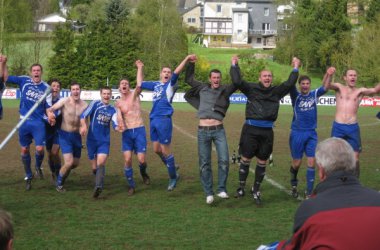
[305, 108]
[163, 94]
[101, 116]
[30, 94]
[50, 101]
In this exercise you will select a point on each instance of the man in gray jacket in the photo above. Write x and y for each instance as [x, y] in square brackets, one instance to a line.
[212, 101]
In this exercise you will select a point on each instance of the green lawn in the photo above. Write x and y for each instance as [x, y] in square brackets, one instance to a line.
[154, 218]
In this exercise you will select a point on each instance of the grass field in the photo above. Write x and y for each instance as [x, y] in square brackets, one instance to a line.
[154, 218]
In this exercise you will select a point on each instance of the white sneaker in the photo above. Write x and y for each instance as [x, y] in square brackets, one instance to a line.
[209, 199]
[223, 195]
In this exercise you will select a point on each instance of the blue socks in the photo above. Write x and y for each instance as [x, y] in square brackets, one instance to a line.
[171, 167]
[128, 172]
[310, 176]
[26, 161]
[99, 179]
[39, 159]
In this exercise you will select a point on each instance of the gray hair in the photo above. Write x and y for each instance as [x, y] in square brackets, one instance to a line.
[334, 154]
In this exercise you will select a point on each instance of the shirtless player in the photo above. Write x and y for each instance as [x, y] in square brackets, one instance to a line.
[348, 99]
[131, 123]
[70, 139]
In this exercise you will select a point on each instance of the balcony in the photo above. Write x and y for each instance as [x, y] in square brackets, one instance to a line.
[262, 32]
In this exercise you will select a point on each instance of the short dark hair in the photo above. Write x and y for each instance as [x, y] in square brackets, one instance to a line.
[214, 71]
[54, 80]
[105, 88]
[36, 64]
[302, 78]
[6, 229]
[74, 83]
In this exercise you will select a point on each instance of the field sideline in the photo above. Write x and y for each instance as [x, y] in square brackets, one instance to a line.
[154, 218]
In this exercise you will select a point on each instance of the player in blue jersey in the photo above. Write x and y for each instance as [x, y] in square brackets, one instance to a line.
[70, 139]
[303, 137]
[32, 89]
[52, 141]
[161, 117]
[3, 77]
[101, 115]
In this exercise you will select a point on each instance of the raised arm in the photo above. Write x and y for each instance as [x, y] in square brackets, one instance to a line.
[180, 67]
[190, 72]
[370, 91]
[3, 69]
[139, 78]
[327, 78]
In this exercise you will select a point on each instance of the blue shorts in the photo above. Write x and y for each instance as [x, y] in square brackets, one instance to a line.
[348, 132]
[97, 147]
[303, 141]
[161, 129]
[134, 140]
[32, 129]
[52, 136]
[70, 143]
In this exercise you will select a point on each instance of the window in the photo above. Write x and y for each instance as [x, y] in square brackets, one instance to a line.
[219, 8]
[250, 9]
[266, 11]
[240, 18]
[239, 32]
[228, 40]
[191, 20]
[266, 26]
[258, 40]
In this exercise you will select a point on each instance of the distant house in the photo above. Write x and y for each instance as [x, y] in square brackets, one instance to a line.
[48, 23]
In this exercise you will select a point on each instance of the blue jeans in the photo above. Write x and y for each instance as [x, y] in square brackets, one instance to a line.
[205, 139]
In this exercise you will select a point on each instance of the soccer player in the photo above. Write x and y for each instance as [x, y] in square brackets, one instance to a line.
[101, 115]
[70, 139]
[3, 77]
[348, 98]
[161, 117]
[212, 101]
[261, 113]
[31, 88]
[303, 137]
[52, 141]
[131, 124]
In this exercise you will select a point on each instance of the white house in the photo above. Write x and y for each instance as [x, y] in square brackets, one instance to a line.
[49, 22]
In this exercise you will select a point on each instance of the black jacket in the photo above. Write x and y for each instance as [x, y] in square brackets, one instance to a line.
[192, 95]
[263, 103]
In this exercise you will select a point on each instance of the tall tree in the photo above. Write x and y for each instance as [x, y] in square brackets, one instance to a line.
[366, 54]
[162, 39]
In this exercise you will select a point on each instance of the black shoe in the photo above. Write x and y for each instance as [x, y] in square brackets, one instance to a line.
[39, 173]
[97, 192]
[146, 179]
[257, 197]
[294, 192]
[28, 185]
[239, 192]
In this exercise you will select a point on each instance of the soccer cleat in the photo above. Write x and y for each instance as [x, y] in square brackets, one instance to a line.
[223, 195]
[28, 185]
[146, 179]
[173, 183]
[257, 197]
[39, 173]
[294, 192]
[97, 192]
[131, 191]
[307, 196]
[239, 192]
[209, 199]
[60, 189]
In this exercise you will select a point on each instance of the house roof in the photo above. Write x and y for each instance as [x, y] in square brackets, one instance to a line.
[52, 18]
[239, 10]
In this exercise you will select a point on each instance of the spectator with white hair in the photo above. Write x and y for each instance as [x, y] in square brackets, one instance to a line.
[342, 214]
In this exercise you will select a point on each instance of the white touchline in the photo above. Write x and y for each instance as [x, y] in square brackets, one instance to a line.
[267, 178]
